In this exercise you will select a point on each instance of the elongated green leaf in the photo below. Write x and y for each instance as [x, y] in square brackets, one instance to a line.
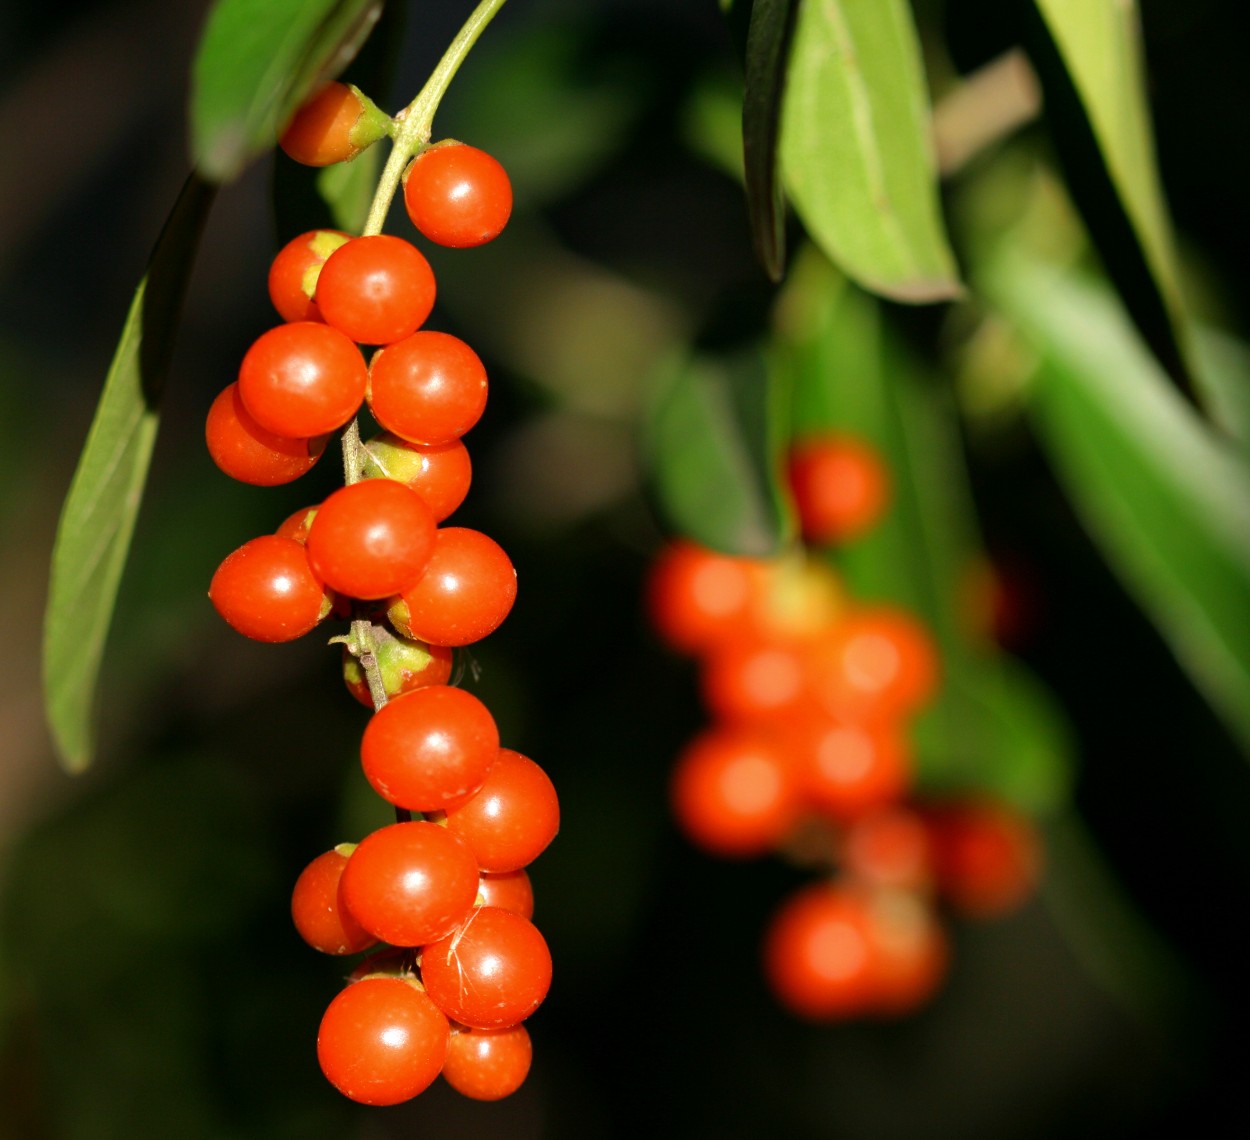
[1100, 44]
[710, 448]
[768, 50]
[98, 518]
[1166, 499]
[856, 151]
[258, 60]
[992, 728]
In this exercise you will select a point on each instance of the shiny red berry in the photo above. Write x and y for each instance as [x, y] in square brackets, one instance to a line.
[457, 195]
[376, 289]
[429, 388]
[267, 591]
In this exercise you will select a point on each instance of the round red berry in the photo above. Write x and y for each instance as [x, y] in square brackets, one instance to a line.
[509, 890]
[840, 487]
[457, 195]
[302, 380]
[492, 971]
[320, 133]
[429, 388]
[376, 289]
[382, 1041]
[318, 911]
[429, 748]
[247, 452]
[467, 590]
[267, 591]
[488, 1064]
[512, 818]
[845, 767]
[371, 539]
[410, 883]
[294, 271]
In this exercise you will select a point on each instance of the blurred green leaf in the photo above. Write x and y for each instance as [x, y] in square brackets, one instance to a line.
[991, 728]
[710, 446]
[257, 62]
[97, 521]
[1100, 44]
[1166, 499]
[1224, 377]
[856, 151]
[767, 54]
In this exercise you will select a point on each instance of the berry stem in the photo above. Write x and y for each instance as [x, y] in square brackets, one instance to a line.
[414, 123]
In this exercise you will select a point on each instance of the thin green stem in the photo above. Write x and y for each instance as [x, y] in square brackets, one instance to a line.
[415, 122]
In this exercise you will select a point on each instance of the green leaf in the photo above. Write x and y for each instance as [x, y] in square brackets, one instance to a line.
[257, 62]
[98, 518]
[856, 151]
[710, 447]
[767, 53]
[1165, 497]
[991, 728]
[1099, 42]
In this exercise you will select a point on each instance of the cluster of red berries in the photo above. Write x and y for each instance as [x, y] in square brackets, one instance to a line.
[444, 888]
[809, 754]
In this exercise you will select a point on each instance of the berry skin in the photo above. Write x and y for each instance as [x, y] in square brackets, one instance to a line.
[429, 388]
[302, 380]
[491, 972]
[267, 591]
[247, 452]
[732, 793]
[294, 271]
[410, 883]
[846, 768]
[467, 590]
[319, 914]
[323, 129]
[840, 487]
[488, 1064]
[753, 679]
[404, 665]
[987, 856]
[512, 818]
[376, 289]
[818, 953]
[371, 539]
[382, 1041]
[439, 473]
[510, 890]
[429, 748]
[457, 195]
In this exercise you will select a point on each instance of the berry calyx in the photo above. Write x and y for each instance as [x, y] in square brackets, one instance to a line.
[371, 539]
[429, 748]
[410, 883]
[376, 289]
[457, 195]
[302, 379]
[294, 271]
[335, 125]
[247, 452]
[267, 591]
[439, 473]
[382, 1041]
[404, 666]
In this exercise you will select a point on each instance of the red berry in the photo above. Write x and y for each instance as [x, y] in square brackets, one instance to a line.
[490, 972]
[320, 134]
[457, 195]
[754, 678]
[840, 487]
[429, 748]
[302, 380]
[467, 590]
[987, 856]
[376, 289]
[246, 451]
[429, 388]
[845, 768]
[294, 271]
[889, 848]
[510, 890]
[371, 539]
[439, 473]
[297, 525]
[410, 883]
[318, 912]
[382, 1041]
[488, 1064]
[733, 794]
[512, 818]
[403, 664]
[267, 591]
